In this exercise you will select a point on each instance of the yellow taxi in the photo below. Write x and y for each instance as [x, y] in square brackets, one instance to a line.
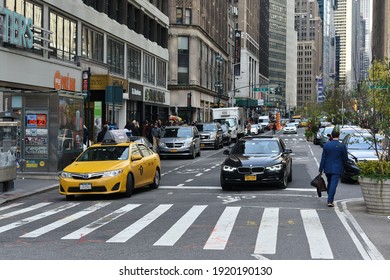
[117, 165]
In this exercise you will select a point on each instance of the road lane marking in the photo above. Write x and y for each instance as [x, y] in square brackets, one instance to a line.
[24, 210]
[37, 217]
[268, 232]
[189, 180]
[100, 222]
[221, 232]
[318, 242]
[66, 220]
[180, 227]
[139, 225]
[199, 174]
[10, 206]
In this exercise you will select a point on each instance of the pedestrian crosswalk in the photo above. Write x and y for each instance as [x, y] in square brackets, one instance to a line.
[220, 225]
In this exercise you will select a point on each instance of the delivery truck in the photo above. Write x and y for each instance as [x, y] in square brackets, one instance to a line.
[234, 117]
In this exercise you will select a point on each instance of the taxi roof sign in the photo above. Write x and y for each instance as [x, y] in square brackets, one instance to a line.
[115, 136]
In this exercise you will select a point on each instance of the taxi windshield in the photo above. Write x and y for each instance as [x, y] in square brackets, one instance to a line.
[105, 153]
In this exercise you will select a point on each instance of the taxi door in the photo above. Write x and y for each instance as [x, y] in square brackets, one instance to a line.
[137, 166]
[150, 163]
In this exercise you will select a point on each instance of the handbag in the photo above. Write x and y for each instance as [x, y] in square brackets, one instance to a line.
[319, 183]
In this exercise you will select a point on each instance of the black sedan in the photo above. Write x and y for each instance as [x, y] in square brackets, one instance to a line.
[257, 160]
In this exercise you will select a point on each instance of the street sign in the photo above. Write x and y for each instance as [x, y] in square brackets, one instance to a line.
[263, 89]
[378, 87]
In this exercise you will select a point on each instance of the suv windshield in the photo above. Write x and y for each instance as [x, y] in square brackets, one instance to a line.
[181, 132]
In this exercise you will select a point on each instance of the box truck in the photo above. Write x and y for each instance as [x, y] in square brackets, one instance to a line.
[234, 117]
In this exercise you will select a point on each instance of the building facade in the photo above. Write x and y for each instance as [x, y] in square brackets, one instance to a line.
[380, 29]
[309, 55]
[198, 57]
[112, 55]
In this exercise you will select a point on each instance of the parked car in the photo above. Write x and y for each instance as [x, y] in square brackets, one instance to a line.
[348, 129]
[210, 135]
[257, 160]
[255, 129]
[226, 134]
[290, 128]
[180, 141]
[114, 166]
[360, 147]
[325, 134]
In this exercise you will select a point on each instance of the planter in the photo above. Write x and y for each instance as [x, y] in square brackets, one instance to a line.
[376, 195]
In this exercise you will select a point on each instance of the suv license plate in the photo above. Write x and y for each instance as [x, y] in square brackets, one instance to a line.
[86, 186]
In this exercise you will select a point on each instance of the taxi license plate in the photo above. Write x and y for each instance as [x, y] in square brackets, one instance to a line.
[250, 178]
[86, 186]
[173, 151]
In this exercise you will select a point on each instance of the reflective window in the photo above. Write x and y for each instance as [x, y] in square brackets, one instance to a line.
[63, 39]
[115, 56]
[92, 44]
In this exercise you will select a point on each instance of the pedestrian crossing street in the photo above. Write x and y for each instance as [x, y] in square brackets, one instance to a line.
[264, 223]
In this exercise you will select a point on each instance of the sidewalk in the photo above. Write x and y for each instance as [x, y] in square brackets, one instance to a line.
[372, 232]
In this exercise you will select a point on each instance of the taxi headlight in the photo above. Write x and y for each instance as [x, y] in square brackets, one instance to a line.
[112, 173]
[66, 174]
[228, 168]
[276, 167]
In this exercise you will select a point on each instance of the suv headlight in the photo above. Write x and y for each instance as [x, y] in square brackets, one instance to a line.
[228, 168]
[64, 174]
[162, 145]
[112, 173]
[276, 167]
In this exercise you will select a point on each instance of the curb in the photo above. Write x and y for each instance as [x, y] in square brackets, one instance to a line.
[17, 195]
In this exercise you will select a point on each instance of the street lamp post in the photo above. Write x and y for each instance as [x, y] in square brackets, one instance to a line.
[218, 85]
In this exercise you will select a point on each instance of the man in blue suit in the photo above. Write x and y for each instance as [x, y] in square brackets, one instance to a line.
[334, 155]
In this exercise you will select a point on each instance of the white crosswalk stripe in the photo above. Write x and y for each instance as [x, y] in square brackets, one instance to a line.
[139, 225]
[220, 235]
[318, 242]
[264, 243]
[64, 221]
[37, 217]
[101, 222]
[180, 227]
[24, 210]
[10, 206]
[268, 232]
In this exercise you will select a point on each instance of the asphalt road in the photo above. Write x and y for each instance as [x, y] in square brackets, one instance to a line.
[188, 218]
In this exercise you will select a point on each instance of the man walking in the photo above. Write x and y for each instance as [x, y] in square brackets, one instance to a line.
[334, 155]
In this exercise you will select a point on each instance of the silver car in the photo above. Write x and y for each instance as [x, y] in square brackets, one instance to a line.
[180, 141]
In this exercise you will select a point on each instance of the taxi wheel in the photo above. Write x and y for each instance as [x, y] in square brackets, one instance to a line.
[156, 181]
[129, 185]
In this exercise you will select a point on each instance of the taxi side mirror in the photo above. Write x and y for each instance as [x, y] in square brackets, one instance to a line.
[136, 157]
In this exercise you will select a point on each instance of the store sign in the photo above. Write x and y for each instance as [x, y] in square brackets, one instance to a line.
[154, 96]
[64, 82]
[17, 30]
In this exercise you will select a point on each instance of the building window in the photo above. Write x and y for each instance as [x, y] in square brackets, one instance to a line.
[149, 69]
[161, 73]
[92, 44]
[63, 39]
[183, 61]
[183, 16]
[133, 64]
[115, 56]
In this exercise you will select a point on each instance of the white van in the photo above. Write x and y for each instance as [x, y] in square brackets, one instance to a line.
[264, 122]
